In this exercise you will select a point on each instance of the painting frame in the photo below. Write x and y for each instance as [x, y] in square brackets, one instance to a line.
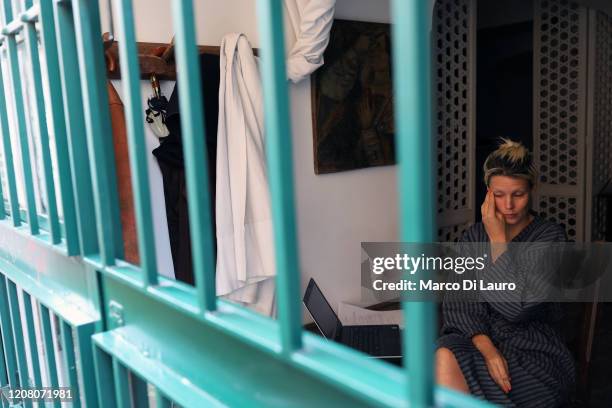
[352, 99]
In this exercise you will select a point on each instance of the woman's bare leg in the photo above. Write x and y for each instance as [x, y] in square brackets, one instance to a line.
[448, 372]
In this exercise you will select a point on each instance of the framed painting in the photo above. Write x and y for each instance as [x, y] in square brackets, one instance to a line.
[352, 97]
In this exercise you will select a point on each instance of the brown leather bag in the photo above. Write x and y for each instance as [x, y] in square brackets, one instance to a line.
[122, 164]
[124, 181]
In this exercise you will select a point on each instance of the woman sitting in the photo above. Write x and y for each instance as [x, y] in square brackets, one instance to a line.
[509, 353]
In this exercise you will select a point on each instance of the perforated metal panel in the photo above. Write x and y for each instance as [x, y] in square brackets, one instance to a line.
[602, 117]
[453, 232]
[454, 42]
[560, 66]
[563, 210]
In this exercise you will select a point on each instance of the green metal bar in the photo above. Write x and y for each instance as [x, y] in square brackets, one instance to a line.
[8, 155]
[42, 219]
[139, 391]
[31, 13]
[411, 58]
[20, 352]
[22, 132]
[75, 124]
[128, 54]
[64, 284]
[34, 355]
[280, 170]
[3, 368]
[122, 385]
[161, 401]
[57, 124]
[12, 27]
[8, 337]
[69, 361]
[194, 151]
[47, 338]
[31, 44]
[98, 125]
[85, 364]
[104, 377]
[7, 10]
[2, 204]
[338, 374]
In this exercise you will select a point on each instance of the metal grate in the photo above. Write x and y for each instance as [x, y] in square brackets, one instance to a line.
[602, 119]
[452, 233]
[563, 210]
[133, 353]
[559, 117]
[452, 82]
[559, 57]
[453, 43]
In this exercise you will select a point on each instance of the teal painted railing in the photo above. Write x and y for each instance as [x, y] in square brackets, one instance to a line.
[73, 313]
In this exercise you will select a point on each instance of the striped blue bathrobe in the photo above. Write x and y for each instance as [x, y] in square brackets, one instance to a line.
[541, 367]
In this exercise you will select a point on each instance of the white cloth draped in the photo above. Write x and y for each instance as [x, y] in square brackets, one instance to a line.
[245, 245]
[245, 252]
[309, 23]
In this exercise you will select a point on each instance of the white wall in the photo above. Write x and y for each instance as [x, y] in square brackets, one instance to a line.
[335, 212]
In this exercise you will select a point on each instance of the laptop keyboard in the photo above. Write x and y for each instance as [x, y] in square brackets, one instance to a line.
[366, 338]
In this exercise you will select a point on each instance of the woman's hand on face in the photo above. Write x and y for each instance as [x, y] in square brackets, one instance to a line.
[498, 369]
[493, 221]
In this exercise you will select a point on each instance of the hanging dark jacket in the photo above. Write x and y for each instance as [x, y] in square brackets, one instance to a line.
[170, 159]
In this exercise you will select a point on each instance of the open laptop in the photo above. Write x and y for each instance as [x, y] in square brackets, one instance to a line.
[380, 341]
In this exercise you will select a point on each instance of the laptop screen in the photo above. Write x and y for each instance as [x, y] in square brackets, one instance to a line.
[322, 313]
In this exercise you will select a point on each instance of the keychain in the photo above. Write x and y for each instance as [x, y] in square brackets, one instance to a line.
[156, 112]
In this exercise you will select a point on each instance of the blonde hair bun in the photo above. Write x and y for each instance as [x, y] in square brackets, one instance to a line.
[511, 159]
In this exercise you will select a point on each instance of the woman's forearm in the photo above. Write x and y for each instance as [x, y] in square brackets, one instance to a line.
[496, 363]
[484, 344]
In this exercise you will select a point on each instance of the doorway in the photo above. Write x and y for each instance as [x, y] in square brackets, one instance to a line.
[504, 78]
